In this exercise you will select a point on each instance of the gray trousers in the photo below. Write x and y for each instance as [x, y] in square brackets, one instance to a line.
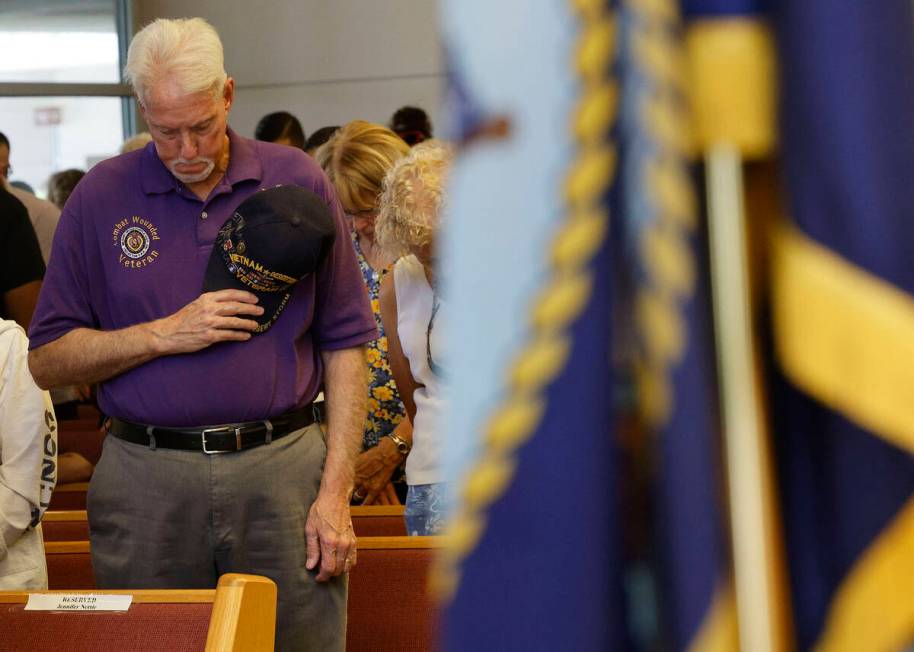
[179, 519]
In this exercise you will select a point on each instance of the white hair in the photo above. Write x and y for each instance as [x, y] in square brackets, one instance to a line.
[412, 196]
[185, 50]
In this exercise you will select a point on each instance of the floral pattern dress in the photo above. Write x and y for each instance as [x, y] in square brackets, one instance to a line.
[385, 409]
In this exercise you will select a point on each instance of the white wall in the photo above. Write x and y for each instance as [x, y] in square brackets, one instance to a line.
[325, 61]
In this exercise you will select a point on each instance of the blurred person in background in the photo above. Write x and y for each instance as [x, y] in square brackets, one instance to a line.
[136, 142]
[411, 124]
[318, 138]
[43, 214]
[411, 201]
[61, 184]
[5, 168]
[71, 465]
[356, 158]
[281, 128]
[22, 185]
[21, 265]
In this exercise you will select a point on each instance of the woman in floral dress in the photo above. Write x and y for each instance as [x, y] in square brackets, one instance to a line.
[356, 159]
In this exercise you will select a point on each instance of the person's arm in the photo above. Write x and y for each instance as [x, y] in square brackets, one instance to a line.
[328, 530]
[375, 466]
[87, 356]
[399, 365]
[73, 467]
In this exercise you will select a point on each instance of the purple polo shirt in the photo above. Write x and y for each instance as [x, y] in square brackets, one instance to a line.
[132, 246]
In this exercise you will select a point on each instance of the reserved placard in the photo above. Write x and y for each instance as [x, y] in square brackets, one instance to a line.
[78, 602]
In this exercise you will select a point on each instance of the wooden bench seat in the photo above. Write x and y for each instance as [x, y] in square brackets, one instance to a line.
[238, 616]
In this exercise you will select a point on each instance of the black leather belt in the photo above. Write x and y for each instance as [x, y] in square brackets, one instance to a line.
[226, 438]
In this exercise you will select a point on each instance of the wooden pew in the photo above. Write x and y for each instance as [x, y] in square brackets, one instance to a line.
[238, 616]
[78, 425]
[71, 525]
[88, 412]
[390, 609]
[69, 565]
[389, 605]
[378, 521]
[65, 525]
[87, 441]
[70, 496]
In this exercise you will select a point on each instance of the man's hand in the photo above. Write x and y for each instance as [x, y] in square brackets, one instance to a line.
[86, 356]
[373, 470]
[212, 317]
[329, 537]
[328, 530]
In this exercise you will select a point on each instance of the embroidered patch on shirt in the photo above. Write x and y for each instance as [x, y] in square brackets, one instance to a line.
[135, 237]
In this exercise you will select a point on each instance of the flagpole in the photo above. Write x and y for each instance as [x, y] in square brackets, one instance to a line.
[739, 395]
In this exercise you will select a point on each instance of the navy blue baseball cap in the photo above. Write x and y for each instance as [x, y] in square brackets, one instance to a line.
[274, 239]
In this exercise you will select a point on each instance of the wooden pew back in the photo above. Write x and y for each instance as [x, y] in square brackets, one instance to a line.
[72, 524]
[87, 441]
[68, 497]
[390, 609]
[69, 565]
[378, 521]
[238, 616]
[65, 525]
[389, 605]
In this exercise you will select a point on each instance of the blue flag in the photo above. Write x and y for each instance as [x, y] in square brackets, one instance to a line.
[665, 245]
[844, 321]
[535, 556]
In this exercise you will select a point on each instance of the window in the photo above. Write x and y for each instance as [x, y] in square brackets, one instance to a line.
[62, 101]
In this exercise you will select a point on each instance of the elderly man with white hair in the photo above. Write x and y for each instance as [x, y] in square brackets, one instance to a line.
[171, 285]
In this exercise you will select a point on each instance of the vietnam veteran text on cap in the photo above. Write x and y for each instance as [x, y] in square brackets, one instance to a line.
[275, 238]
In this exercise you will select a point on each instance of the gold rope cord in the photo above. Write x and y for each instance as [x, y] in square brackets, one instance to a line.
[559, 302]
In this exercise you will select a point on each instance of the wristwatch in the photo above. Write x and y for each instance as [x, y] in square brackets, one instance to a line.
[402, 446]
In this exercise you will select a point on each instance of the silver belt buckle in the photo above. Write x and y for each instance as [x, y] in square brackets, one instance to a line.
[204, 432]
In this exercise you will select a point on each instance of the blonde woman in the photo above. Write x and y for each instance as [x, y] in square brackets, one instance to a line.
[356, 158]
[410, 204]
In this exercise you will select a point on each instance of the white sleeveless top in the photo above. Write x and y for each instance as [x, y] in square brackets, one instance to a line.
[414, 309]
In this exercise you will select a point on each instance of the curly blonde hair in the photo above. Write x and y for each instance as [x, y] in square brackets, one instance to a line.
[412, 197]
[356, 158]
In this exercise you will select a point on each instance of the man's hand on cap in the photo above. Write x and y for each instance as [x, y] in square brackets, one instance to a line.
[212, 317]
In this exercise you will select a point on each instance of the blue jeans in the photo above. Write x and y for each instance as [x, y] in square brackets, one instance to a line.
[425, 509]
